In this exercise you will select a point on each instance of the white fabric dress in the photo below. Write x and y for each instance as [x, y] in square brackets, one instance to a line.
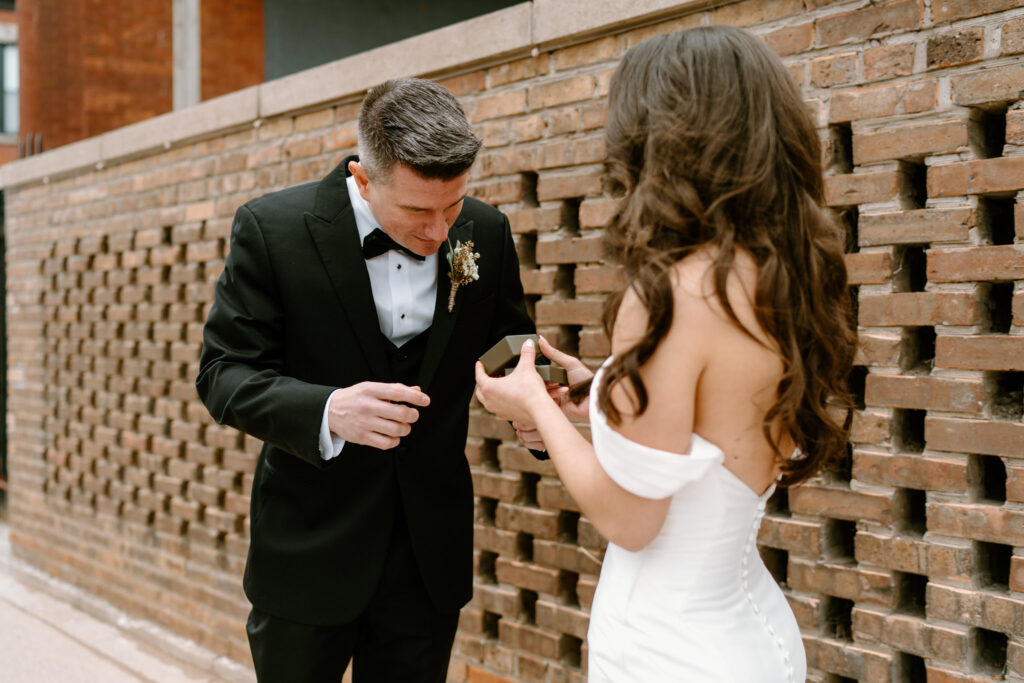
[697, 603]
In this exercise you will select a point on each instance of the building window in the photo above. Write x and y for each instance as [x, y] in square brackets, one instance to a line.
[9, 89]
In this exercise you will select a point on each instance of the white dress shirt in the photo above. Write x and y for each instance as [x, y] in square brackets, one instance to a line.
[404, 293]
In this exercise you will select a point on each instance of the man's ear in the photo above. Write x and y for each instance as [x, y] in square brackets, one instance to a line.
[362, 179]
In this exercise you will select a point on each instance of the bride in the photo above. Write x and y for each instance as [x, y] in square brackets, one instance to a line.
[730, 345]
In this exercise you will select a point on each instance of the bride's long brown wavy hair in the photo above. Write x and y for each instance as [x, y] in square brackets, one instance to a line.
[710, 145]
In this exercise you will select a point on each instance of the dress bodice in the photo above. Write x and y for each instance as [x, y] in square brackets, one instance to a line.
[699, 586]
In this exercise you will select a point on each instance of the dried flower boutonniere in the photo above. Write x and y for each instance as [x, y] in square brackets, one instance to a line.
[462, 268]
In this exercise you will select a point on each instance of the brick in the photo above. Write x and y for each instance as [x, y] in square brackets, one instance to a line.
[515, 458]
[868, 22]
[544, 218]
[918, 308]
[910, 142]
[498, 105]
[466, 84]
[916, 227]
[974, 436]
[754, 12]
[985, 86]
[569, 312]
[540, 281]
[507, 487]
[593, 279]
[994, 352]
[540, 523]
[528, 576]
[1013, 37]
[994, 612]
[868, 268]
[977, 521]
[994, 263]
[571, 250]
[954, 48]
[976, 177]
[552, 495]
[888, 61]
[892, 552]
[851, 583]
[925, 393]
[587, 53]
[594, 344]
[914, 635]
[790, 40]
[832, 70]
[562, 618]
[530, 638]
[495, 540]
[522, 69]
[951, 10]
[1015, 127]
[564, 91]
[571, 152]
[862, 188]
[910, 471]
[564, 556]
[847, 659]
[841, 503]
[883, 100]
[567, 184]
[796, 536]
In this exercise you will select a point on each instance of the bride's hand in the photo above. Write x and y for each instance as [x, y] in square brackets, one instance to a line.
[577, 372]
[511, 397]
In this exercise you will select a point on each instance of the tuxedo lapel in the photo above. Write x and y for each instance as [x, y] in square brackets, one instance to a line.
[337, 242]
[444, 321]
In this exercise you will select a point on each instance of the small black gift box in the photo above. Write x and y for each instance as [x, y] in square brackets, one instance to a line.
[503, 356]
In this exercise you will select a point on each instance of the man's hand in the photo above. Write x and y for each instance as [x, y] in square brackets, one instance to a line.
[371, 414]
[529, 436]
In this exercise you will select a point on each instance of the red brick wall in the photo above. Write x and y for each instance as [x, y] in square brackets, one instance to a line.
[231, 34]
[905, 562]
[89, 67]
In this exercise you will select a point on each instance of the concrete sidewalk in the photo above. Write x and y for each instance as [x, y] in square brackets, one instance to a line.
[51, 631]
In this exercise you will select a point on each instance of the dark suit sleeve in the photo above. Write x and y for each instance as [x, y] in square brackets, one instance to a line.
[241, 378]
[511, 316]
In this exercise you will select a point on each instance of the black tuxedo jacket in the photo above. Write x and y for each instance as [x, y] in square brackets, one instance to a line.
[292, 320]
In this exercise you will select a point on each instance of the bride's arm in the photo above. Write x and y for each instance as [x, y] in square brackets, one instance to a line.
[670, 376]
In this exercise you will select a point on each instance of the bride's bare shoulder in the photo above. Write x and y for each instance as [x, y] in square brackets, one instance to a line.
[694, 291]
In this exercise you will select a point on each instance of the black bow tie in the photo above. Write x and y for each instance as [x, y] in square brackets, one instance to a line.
[379, 242]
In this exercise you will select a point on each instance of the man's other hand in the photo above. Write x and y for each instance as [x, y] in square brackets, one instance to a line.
[372, 414]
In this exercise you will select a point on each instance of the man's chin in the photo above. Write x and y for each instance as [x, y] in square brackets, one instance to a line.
[426, 248]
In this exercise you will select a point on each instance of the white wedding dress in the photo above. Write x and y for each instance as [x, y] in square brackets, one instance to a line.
[697, 603]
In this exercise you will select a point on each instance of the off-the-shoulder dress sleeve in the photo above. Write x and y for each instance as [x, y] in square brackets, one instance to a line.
[642, 470]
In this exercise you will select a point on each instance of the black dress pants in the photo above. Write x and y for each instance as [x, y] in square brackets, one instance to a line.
[399, 638]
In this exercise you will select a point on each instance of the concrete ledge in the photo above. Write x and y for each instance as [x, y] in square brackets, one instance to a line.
[515, 30]
[558, 21]
[233, 110]
[71, 157]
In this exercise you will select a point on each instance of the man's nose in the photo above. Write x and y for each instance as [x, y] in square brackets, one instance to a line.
[437, 229]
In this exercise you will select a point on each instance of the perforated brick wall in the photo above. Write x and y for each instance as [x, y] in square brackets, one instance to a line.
[905, 563]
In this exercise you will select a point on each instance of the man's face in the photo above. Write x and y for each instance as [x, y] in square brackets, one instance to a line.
[415, 211]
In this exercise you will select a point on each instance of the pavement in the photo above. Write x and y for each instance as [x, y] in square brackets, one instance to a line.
[53, 631]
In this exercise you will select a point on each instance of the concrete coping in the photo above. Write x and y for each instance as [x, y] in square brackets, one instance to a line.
[517, 30]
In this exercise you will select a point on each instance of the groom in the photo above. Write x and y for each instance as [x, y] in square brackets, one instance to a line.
[333, 339]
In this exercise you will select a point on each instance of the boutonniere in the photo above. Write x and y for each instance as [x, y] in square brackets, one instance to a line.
[462, 268]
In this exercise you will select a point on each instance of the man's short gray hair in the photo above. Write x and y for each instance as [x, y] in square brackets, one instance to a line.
[417, 123]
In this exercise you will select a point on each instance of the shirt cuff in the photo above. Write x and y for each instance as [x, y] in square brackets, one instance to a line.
[330, 445]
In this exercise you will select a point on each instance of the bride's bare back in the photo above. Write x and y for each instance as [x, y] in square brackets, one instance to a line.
[707, 376]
